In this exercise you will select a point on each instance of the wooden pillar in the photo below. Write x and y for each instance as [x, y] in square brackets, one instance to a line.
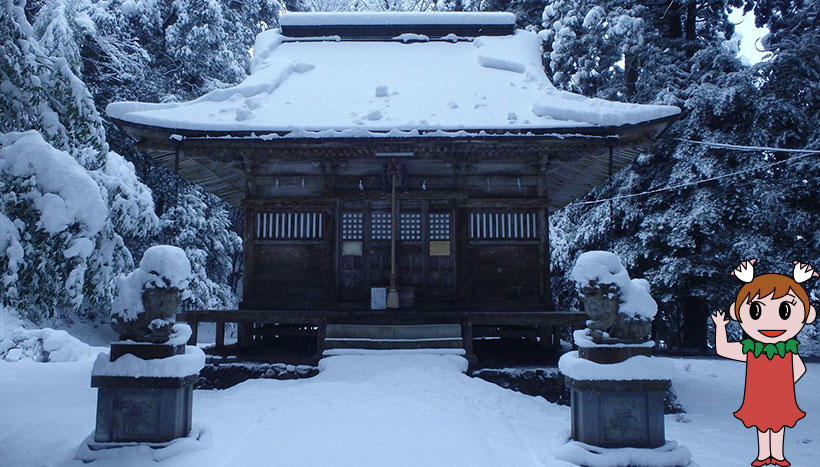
[467, 336]
[556, 336]
[243, 333]
[544, 336]
[547, 281]
[192, 321]
[336, 245]
[248, 264]
[220, 333]
[320, 338]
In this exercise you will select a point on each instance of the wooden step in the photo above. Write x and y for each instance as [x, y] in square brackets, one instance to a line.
[385, 337]
[419, 331]
[389, 344]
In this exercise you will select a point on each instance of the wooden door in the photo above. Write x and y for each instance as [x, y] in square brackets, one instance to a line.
[353, 283]
[379, 233]
[440, 251]
[424, 252]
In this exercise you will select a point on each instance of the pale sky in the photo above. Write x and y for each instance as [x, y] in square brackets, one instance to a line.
[749, 34]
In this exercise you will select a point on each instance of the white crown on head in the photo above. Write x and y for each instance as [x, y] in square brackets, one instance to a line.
[745, 270]
[803, 272]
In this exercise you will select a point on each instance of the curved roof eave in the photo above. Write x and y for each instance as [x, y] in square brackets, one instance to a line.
[156, 137]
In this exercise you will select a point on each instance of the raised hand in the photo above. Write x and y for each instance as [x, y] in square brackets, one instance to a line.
[803, 272]
[745, 270]
[720, 319]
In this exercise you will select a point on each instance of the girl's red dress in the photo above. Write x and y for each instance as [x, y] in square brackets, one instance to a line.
[768, 400]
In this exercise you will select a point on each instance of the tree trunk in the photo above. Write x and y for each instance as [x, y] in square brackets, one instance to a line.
[690, 28]
[694, 324]
[630, 76]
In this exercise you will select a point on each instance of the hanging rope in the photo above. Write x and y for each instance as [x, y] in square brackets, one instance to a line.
[733, 147]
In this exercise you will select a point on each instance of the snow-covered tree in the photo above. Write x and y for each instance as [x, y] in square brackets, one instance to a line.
[198, 225]
[71, 253]
[685, 240]
[585, 41]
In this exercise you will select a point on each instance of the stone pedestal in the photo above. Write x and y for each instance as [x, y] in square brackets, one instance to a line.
[618, 413]
[152, 410]
[145, 392]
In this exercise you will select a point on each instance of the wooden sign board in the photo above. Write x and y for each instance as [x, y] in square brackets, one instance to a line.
[440, 248]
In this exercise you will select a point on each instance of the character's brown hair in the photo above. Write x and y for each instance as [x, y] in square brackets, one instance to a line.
[766, 284]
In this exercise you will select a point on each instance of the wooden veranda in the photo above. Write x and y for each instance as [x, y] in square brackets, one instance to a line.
[251, 323]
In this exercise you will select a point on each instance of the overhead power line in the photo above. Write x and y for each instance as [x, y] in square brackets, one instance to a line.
[732, 147]
[735, 147]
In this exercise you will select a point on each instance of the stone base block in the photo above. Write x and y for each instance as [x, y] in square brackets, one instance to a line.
[576, 453]
[91, 450]
[618, 413]
[151, 410]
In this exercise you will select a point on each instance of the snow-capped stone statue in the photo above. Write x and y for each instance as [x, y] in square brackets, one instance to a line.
[145, 382]
[620, 308]
[148, 298]
[617, 389]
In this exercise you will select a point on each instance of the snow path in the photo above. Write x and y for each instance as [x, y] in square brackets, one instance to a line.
[397, 410]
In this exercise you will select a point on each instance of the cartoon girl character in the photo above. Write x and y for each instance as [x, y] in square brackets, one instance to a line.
[771, 309]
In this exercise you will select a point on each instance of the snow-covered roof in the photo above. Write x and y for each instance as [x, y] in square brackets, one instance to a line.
[366, 18]
[331, 86]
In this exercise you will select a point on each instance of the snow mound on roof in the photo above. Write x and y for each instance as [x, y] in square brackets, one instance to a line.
[600, 112]
[515, 53]
[161, 266]
[604, 267]
[64, 193]
[393, 18]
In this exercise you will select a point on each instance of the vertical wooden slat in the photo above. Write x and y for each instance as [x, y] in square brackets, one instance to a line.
[258, 225]
[528, 230]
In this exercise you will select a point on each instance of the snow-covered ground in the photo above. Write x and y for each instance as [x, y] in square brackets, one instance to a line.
[396, 410]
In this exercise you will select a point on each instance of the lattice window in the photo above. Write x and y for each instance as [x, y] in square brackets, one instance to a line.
[410, 226]
[439, 226]
[503, 226]
[351, 226]
[289, 225]
[380, 228]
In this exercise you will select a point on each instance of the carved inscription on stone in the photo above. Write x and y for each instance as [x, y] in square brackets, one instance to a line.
[624, 417]
[135, 416]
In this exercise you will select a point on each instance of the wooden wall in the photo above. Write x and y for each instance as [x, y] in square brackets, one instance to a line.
[496, 210]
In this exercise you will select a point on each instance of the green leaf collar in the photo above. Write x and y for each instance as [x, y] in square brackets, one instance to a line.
[780, 348]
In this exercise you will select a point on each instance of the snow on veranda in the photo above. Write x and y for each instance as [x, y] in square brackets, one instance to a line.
[313, 87]
[373, 410]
